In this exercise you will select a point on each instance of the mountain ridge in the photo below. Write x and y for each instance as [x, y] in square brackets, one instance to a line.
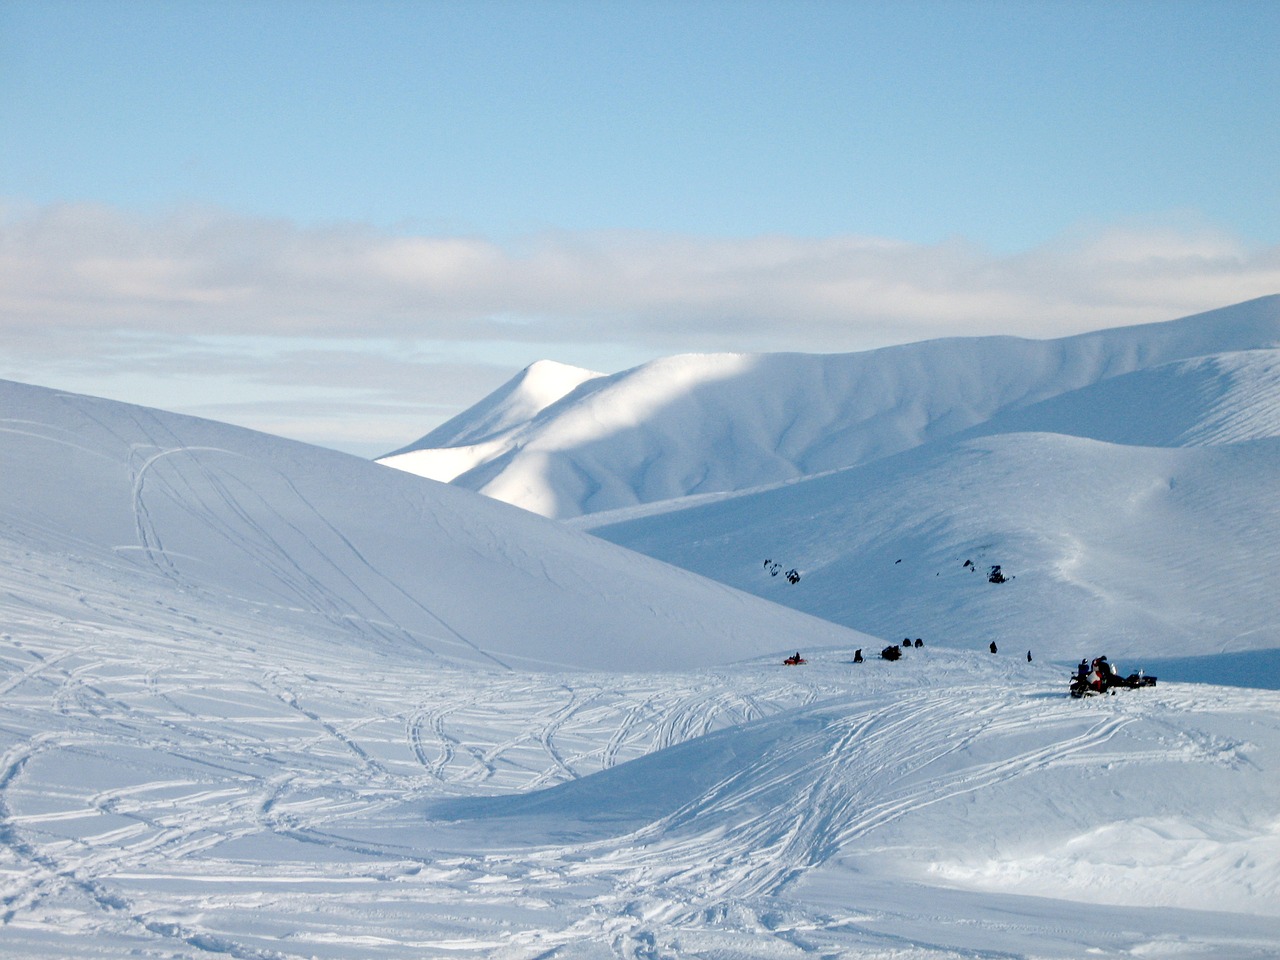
[713, 423]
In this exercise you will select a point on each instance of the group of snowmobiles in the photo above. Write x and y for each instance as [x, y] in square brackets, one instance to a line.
[1092, 678]
[1101, 676]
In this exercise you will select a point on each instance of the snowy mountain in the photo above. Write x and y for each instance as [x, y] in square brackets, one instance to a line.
[1137, 514]
[452, 447]
[697, 424]
[261, 700]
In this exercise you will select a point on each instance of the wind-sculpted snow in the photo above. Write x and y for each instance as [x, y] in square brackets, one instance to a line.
[690, 425]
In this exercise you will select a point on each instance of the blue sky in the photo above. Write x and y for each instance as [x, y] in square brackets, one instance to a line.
[344, 221]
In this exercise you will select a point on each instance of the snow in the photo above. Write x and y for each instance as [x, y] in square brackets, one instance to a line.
[261, 700]
[1133, 551]
[697, 424]
[198, 514]
[452, 448]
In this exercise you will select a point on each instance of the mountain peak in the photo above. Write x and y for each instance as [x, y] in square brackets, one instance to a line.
[536, 387]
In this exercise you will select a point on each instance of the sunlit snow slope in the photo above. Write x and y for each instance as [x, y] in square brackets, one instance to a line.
[1139, 514]
[454, 447]
[107, 499]
[712, 423]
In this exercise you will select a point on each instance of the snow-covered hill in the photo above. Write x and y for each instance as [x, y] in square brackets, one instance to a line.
[1140, 513]
[103, 497]
[1134, 550]
[454, 446]
[711, 423]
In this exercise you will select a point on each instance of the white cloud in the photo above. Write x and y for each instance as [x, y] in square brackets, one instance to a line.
[92, 268]
[85, 285]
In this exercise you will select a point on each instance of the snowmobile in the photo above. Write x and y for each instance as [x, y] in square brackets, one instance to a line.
[1101, 680]
[794, 660]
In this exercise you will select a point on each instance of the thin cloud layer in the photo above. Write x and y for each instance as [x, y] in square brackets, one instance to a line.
[92, 269]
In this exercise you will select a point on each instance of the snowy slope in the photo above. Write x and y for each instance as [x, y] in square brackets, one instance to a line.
[1222, 398]
[159, 798]
[1138, 513]
[193, 513]
[259, 700]
[711, 423]
[1132, 550]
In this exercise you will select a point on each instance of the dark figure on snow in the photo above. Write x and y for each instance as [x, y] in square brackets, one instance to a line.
[857, 655]
[1028, 656]
[891, 652]
[993, 646]
[919, 643]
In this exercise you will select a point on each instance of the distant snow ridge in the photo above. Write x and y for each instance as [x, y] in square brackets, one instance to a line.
[565, 442]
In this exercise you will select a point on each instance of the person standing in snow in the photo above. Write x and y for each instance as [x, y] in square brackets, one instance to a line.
[993, 646]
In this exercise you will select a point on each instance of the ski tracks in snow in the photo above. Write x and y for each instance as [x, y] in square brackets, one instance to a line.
[827, 778]
[161, 805]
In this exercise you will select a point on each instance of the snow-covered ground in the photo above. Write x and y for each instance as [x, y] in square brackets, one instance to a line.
[261, 700]
[168, 793]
